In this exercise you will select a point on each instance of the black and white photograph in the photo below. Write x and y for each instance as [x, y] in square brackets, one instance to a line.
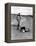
[21, 23]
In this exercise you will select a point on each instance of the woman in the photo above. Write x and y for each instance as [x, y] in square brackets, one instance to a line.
[18, 19]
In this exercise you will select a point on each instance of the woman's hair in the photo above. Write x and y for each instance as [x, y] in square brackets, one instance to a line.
[18, 14]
